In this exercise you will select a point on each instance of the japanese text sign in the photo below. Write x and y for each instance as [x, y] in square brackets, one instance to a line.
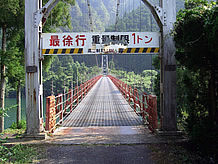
[100, 43]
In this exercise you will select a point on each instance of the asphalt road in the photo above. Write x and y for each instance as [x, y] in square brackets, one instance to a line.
[98, 154]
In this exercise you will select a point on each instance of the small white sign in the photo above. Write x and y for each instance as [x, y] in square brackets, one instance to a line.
[98, 43]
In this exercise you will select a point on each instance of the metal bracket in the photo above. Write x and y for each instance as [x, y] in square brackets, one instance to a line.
[41, 57]
[37, 18]
[159, 12]
[164, 18]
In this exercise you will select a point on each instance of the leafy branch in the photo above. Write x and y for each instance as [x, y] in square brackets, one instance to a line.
[3, 112]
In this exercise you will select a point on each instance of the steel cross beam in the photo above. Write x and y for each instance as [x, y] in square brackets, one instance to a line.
[165, 16]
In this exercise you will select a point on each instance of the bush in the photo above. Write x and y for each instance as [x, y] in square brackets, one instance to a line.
[21, 125]
[17, 154]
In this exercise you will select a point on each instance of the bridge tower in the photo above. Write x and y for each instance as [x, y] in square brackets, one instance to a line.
[104, 64]
[34, 89]
[165, 16]
[35, 17]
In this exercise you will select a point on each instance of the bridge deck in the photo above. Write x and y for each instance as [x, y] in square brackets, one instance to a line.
[104, 105]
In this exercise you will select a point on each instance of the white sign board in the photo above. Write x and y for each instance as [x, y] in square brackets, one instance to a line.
[100, 43]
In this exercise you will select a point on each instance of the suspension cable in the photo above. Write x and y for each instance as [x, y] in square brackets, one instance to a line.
[90, 16]
[91, 25]
[117, 15]
[129, 28]
[51, 18]
[121, 7]
[124, 7]
[140, 18]
[133, 13]
[133, 4]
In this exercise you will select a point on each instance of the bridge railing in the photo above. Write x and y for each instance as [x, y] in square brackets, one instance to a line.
[60, 106]
[143, 104]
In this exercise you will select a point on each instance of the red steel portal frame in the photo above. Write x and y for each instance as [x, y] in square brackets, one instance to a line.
[35, 17]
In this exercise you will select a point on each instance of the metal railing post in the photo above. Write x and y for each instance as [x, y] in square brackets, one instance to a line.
[61, 108]
[50, 113]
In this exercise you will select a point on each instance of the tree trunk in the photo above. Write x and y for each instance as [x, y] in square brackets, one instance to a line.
[3, 82]
[2, 97]
[18, 103]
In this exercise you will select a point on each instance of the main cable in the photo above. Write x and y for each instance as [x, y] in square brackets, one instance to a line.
[117, 14]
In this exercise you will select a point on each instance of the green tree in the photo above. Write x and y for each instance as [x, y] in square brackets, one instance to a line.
[59, 20]
[196, 36]
[11, 15]
[64, 70]
[60, 17]
[196, 39]
[15, 66]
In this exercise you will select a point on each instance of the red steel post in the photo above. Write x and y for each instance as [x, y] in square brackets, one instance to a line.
[77, 92]
[134, 99]
[71, 100]
[61, 108]
[154, 111]
[50, 113]
[143, 106]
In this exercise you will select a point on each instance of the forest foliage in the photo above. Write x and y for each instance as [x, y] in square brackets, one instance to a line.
[66, 73]
[196, 34]
[144, 82]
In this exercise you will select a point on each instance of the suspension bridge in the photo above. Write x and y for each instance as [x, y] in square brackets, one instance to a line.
[103, 100]
[103, 105]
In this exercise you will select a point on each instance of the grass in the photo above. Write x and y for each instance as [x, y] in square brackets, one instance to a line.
[18, 153]
[14, 131]
[11, 133]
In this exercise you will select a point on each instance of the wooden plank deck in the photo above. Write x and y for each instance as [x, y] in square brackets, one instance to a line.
[104, 105]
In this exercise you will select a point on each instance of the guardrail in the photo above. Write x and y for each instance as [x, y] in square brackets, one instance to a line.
[143, 104]
[60, 106]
